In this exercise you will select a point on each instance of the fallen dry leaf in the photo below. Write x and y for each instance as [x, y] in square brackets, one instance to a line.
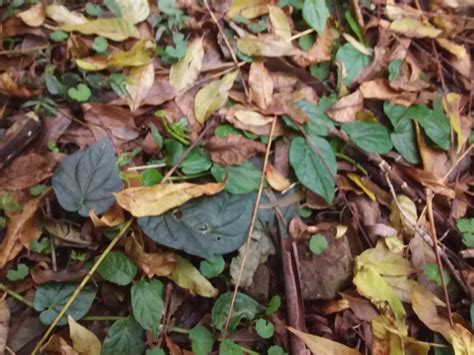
[4, 324]
[157, 199]
[281, 24]
[57, 345]
[186, 70]
[248, 8]
[248, 120]
[276, 180]
[233, 149]
[140, 80]
[34, 16]
[61, 14]
[319, 52]
[113, 217]
[381, 90]
[261, 85]
[266, 45]
[414, 28]
[9, 87]
[83, 340]
[346, 109]
[323, 346]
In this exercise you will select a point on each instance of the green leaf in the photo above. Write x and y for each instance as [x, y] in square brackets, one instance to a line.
[264, 329]
[100, 44]
[316, 13]
[306, 42]
[405, 144]
[276, 350]
[168, 7]
[225, 130]
[212, 267]
[86, 179]
[147, 304]
[320, 71]
[319, 123]
[179, 50]
[472, 315]
[369, 136]
[174, 150]
[466, 227]
[150, 177]
[318, 244]
[229, 347]
[50, 299]
[432, 273]
[157, 137]
[42, 245]
[241, 179]
[81, 93]
[394, 69]
[273, 305]
[19, 274]
[93, 10]
[155, 351]
[58, 36]
[125, 336]
[202, 340]
[118, 269]
[245, 307]
[196, 162]
[314, 169]
[38, 189]
[204, 227]
[115, 29]
[352, 60]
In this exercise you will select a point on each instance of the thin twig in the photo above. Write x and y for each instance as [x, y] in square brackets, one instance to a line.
[144, 167]
[229, 46]
[429, 205]
[84, 281]
[25, 50]
[301, 34]
[251, 228]
[16, 295]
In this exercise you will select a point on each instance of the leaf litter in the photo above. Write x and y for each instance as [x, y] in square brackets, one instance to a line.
[239, 176]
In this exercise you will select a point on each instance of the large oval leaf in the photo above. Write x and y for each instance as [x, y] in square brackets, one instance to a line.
[370, 136]
[125, 336]
[86, 179]
[213, 225]
[147, 303]
[315, 167]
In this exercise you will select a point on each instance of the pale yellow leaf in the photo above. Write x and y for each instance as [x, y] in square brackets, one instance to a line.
[357, 45]
[212, 97]
[372, 285]
[451, 104]
[252, 118]
[83, 340]
[356, 179]
[186, 70]
[384, 261]
[134, 10]
[456, 49]
[34, 16]
[185, 275]
[275, 179]
[248, 8]
[266, 45]
[261, 85]
[346, 108]
[116, 29]
[323, 346]
[61, 14]
[155, 200]
[281, 24]
[140, 80]
[407, 218]
[414, 28]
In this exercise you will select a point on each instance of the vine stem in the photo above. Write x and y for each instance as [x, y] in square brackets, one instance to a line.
[250, 232]
[15, 295]
[84, 281]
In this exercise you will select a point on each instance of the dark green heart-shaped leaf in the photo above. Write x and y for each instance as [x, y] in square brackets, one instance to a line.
[147, 303]
[50, 299]
[369, 136]
[208, 226]
[202, 340]
[315, 167]
[86, 179]
[125, 336]
[118, 269]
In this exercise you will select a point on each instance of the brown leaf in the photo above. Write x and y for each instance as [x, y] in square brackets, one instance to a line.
[380, 89]
[434, 161]
[261, 85]
[9, 87]
[319, 52]
[112, 122]
[247, 119]
[233, 149]
[111, 218]
[53, 128]
[21, 227]
[57, 345]
[41, 274]
[139, 82]
[34, 16]
[152, 264]
[175, 349]
[323, 346]
[155, 200]
[345, 109]
[276, 180]
[160, 92]
[4, 325]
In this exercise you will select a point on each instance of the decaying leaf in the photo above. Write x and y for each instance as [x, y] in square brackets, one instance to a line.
[322, 346]
[212, 97]
[83, 340]
[9, 87]
[414, 28]
[451, 104]
[61, 14]
[111, 218]
[140, 80]
[134, 10]
[248, 8]
[345, 109]
[116, 29]
[243, 118]
[185, 72]
[185, 275]
[404, 220]
[281, 24]
[233, 149]
[266, 45]
[34, 16]
[261, 85]
[155, 200]
[275, 179]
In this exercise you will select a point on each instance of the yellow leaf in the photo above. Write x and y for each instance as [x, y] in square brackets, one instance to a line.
[405, 220]
[111, 218]
[155, 200]
[425, 306]
[456, 49]
[34, 16]
[281, 24]
[261, 85]
[83, 340]
[266, 45]
[140, 80]
[371, 285]
[116, 29]
[61, 14]
[414, 28]
[275, 179]
[185, 275]
[212, 97]
[141, 53]
[451, 104]
[134, 10]
[357, 45]
[356, 179]
[384, 261]
[252, 118]
[323, 346]
[248, 8]
[186, 70]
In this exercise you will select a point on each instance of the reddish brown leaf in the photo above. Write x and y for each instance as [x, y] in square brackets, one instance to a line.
[346, 109]
[41, 274]
[9, 87]
[233, 149]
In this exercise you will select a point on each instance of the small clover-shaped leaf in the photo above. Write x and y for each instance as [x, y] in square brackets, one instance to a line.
[318, 244]
[264, 329]
[80, 93]
[19, 274]
[212, 267]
